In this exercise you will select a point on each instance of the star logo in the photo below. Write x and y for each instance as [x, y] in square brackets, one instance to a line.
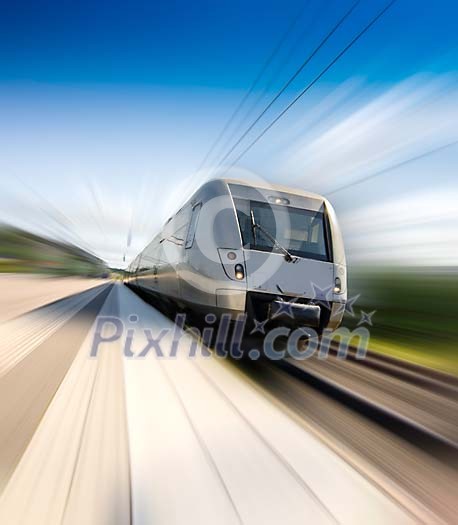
[284, 307]
[349, 304]
[366, 318]
[259, 326]
[340, 308]
[322, 296]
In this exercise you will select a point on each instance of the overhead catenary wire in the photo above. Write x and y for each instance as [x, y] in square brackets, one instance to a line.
[239, 107]
[275, 75]
[312, 83]
[393, 167]
[292, 78]
[256, 81]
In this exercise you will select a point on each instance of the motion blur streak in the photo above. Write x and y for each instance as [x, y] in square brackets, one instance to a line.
[371, 133]
[417, 229]
[409, 215]
[33, 370]
[22, 293]
[84, 475]
[203, 440]
[178, 412]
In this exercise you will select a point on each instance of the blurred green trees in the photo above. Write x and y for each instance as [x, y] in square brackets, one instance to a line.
[21, 251]
[416, 312]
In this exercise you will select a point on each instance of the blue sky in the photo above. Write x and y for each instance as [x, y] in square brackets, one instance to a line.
[108, 108]
[207, 43]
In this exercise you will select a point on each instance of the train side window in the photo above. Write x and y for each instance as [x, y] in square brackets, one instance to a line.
[193, 225]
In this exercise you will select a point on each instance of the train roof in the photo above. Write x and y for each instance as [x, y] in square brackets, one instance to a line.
[274, 187]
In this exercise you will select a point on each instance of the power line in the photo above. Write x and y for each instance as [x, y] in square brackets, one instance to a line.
[254, 84]
[394, 166]
[312, 83]
[275, 75]
[292, 78]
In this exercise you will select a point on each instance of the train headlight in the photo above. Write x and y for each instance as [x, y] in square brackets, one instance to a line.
[277, 200]
[239, 272]
[337, 285]
[231, 256]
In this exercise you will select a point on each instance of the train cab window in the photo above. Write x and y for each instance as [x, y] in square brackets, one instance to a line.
[193, 225]
[301, 231]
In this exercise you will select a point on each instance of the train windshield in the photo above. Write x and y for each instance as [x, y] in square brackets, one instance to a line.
[302, 232]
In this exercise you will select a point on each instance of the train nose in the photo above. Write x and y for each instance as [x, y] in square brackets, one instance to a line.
[269, 272]
[302, 314]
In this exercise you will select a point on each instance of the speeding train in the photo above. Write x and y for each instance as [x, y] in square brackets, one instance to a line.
[273, 253]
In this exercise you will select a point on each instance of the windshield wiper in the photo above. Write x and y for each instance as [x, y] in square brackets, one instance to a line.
[254, 225]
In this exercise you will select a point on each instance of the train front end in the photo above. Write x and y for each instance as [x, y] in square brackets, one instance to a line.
[294, 257]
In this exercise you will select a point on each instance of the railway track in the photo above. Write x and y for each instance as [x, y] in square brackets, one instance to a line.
[434, 380]
[434, 434]
[403, 455]
[416, 403]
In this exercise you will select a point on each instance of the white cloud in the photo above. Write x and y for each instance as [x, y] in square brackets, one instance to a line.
[407, 120]
[420, 228]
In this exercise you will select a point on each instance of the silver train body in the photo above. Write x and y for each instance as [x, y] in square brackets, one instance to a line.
[272, 253]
